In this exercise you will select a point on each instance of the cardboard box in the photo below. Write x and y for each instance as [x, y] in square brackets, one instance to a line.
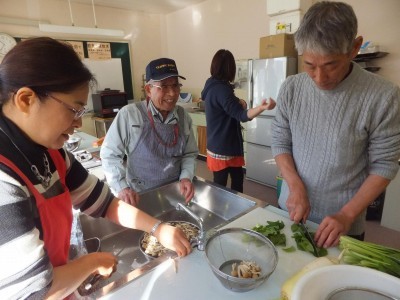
[278, 45]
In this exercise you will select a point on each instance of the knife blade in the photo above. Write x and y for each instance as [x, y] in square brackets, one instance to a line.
[309, 238]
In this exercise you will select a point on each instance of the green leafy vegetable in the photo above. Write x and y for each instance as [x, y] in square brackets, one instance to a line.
[370, 255]
[303, 243]
[289, 249]
[272, 230]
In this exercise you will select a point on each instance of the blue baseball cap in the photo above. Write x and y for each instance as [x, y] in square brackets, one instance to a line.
[162, 68]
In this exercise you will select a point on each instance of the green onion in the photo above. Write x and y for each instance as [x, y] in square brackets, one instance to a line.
[370, 255]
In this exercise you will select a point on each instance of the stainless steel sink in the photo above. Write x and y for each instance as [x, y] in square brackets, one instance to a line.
[216, 206]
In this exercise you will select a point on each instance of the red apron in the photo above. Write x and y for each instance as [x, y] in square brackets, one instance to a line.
[55, 213]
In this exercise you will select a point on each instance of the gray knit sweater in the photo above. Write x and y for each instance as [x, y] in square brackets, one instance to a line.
[338, 137]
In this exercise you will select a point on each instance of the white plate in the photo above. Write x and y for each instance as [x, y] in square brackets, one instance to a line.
[319, 283]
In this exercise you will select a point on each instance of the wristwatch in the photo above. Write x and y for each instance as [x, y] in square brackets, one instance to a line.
[6, 43]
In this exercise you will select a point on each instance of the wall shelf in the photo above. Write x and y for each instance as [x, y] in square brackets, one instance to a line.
[369, 56]
[365, 58]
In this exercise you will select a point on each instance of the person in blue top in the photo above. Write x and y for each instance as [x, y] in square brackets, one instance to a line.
[224, 112]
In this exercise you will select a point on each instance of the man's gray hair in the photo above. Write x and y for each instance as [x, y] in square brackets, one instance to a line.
[327, 28]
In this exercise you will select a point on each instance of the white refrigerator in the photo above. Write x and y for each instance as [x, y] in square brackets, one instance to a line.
[261, 79]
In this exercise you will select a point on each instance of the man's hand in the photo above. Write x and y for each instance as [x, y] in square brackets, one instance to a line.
[187, 189]
[298, 205]
[331, 228]
[129, 196]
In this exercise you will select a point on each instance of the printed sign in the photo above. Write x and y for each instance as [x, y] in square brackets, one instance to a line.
[78, 47]
[99, 51]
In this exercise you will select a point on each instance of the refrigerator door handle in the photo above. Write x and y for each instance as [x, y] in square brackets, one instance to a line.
[250, 85]
[250, 96]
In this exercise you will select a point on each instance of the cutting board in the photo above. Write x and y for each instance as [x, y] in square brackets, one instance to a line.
[288, 263]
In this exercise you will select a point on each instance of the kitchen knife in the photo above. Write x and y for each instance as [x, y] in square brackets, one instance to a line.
[309, 238]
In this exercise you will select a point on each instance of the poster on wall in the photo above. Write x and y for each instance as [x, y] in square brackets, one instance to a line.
[78, 47]
[116, 62]
[99, 51]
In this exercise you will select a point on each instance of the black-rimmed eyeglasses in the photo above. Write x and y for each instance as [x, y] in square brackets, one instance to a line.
[78, 112]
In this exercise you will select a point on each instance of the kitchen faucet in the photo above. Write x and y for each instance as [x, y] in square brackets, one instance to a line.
[199, 241]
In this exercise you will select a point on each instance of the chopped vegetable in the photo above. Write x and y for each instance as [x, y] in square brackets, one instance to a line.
[246, 269]
[273, 232]
[288, 286]
[370, 255]
[303, 243]
[289, 249]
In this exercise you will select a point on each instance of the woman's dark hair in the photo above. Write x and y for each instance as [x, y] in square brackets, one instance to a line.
[44, 65]
[223, 66]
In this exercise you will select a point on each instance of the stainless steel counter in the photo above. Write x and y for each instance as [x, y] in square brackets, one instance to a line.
[215, 206]
[195, 280]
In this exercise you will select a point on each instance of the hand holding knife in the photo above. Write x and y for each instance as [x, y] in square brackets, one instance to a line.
[309, 238]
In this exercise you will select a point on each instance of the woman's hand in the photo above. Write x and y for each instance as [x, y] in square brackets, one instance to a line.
[268, 104]
[173, 238]
[265, 105]
[67, 278]
[105, 263]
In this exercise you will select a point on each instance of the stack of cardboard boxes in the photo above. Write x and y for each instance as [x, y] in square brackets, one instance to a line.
[277, 45]
[288, 13]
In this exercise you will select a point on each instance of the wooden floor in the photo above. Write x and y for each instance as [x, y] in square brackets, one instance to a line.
[374, 233]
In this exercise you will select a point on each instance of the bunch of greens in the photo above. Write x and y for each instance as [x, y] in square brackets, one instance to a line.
[272, 230]
[303, 243]
[370, 255]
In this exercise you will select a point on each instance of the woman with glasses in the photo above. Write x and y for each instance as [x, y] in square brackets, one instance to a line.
[224, 112]
[43, 92]
[155, 135]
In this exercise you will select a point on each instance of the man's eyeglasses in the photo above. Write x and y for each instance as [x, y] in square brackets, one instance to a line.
[78, 112]
[165, 87]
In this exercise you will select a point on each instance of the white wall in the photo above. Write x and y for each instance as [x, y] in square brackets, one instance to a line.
[197, 32]
[191, 36]
[377, 22]
[142, 30]
[237, 25]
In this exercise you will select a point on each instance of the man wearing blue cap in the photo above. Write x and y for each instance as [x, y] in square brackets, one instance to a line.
[155, 135]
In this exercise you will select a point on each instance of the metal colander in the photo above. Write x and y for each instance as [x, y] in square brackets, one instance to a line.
[233, 245]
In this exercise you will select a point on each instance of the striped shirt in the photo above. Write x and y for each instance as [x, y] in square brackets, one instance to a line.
[26, 271]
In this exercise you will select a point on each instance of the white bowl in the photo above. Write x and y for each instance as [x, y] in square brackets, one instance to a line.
[321, 283]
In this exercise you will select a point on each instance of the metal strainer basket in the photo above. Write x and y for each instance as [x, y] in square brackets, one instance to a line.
[233, 245]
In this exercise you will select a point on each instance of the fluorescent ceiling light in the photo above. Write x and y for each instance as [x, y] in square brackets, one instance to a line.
[20, 21]
[81, 30]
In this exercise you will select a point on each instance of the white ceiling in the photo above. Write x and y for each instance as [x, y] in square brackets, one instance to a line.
[147, 6]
